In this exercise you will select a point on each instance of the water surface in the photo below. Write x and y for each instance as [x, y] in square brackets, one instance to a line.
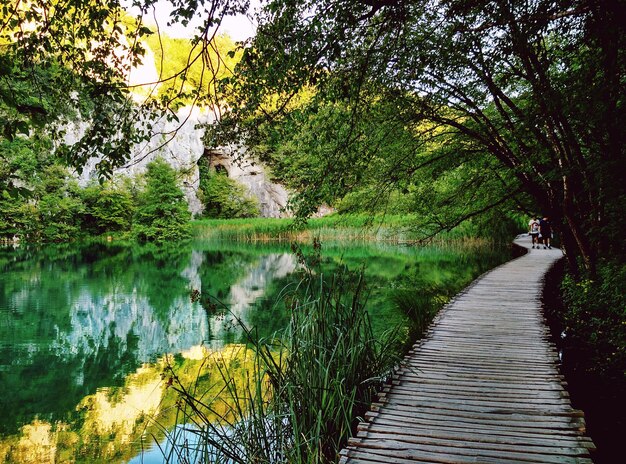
[86, 331]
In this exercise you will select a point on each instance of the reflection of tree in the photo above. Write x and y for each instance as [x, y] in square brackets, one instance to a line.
[82, 319]
[79, 324]
[157, 273]
[219, 272]
[109, 424]
[238, 286]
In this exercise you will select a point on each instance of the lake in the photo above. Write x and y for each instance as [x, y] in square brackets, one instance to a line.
[87, 330]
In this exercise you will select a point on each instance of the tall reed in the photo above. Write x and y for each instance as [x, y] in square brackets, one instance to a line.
[301, 401]
[420, 304]
[392, 229]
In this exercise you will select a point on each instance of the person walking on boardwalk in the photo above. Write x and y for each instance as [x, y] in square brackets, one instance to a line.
[545, 232]
[533, 230]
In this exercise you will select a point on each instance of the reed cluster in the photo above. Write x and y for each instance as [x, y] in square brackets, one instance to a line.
[394, 229]
[303, 398]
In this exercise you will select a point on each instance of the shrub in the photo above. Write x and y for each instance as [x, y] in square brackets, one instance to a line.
[162, 214]
[223, 197]
[108, 208]
[53, 213]
[595, 316]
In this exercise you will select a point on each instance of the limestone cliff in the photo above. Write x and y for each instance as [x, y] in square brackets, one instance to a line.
[272, 197]
[180, 144]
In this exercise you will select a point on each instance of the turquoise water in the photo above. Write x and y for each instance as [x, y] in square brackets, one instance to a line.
[86, 330]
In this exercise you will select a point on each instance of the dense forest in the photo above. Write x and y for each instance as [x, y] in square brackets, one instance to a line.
[452, 111]
[449, 111]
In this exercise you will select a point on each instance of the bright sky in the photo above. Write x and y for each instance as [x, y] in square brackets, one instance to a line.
[237, 27]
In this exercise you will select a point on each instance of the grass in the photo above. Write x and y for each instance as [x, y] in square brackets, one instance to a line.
[301, 401]
[335, 227]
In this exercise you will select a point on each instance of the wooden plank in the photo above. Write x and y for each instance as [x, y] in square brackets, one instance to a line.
[391, 417]
[494, 411]
[532, 380]
[476, 417]
[522, 354]
[409, 397]
[406, 456]
[493, 372]
[434, 379]
[431, 417]
[506, 453]
[537, 438]
[482, 386]
[410, 391]
[445, 356]
[497, 392]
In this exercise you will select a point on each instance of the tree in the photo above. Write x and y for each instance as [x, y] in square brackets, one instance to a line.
[73, 59]
[162, 214]
[223, 197]
[109, 207]
[537, 87]
[377, 164]
[52, 212]
[61, 60]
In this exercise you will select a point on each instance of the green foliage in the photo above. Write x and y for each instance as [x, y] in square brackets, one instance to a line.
[109, 207]
[162, 214]
[59, 206]
[300, 402]
[51, 212]
[32, 97]
[322, 155]
[334, 367]
[223, 197]
[187, 67]
[65, 60]
[9, 215]
[21, 161]
[595, 317]
[41, 201]
[507, 105]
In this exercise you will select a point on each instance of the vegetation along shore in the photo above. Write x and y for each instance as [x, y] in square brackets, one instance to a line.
[216, 242]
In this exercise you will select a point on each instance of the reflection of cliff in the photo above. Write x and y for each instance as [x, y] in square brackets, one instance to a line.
[133, 315]
[96, 320]
[70, 332]
[248, 291]
[102, 429]
[116, 423]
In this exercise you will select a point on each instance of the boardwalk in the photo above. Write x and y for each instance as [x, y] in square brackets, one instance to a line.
[482, 386]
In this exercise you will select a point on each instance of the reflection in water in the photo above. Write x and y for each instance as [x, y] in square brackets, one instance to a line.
[85, 334]
[246, 292]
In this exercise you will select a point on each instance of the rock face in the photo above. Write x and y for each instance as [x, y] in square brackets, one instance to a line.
[272, 197]
[180, 144]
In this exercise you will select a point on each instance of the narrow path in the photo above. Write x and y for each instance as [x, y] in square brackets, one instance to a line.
[483, 385]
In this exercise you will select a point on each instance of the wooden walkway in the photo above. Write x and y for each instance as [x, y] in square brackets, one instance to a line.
[483, 385]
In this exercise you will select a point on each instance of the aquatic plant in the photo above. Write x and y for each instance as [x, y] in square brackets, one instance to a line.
[301, 401]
